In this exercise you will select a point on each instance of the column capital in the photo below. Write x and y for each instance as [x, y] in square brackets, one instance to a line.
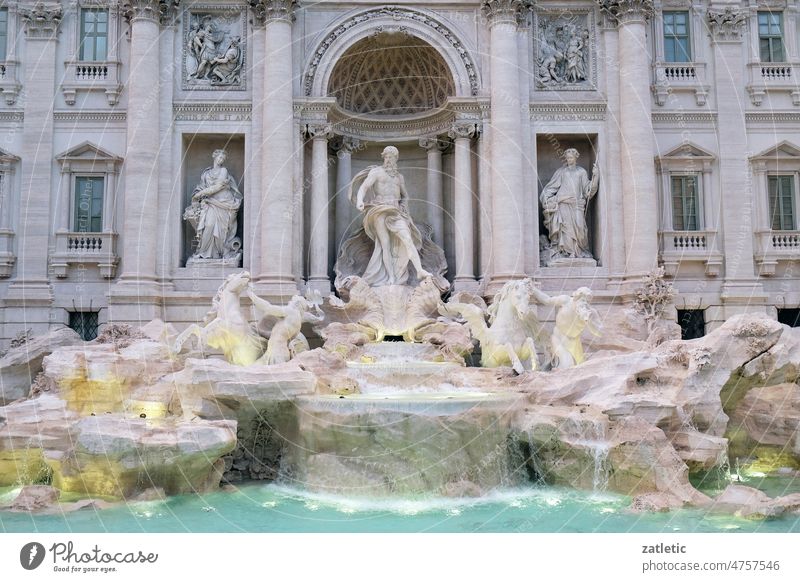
[346, 145]
[159, 11]
[319, 130]
[429, 143]
[623, 11]
[726, 25]
[462, 130]
[505, 11]
[265, 11]
[42, 20]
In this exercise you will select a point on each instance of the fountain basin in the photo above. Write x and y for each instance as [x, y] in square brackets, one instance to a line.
[454, 444]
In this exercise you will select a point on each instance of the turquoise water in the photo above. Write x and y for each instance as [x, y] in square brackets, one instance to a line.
[273, 508]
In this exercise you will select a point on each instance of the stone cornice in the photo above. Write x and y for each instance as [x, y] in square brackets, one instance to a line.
[161, 11]
[265, 11]
[568, 111]
[42, 20]
[106, 116]
[727, 25]
[505, 11]
[212, 111]
[622, 11]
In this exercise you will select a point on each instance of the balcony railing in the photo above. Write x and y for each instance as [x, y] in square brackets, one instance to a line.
[773, 246]
[9, 86]
[7, 257]
[777, 77]
[684, 246]
[679, 77]
[91, 76]
[78, 248]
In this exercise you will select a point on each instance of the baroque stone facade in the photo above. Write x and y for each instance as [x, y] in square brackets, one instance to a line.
[112, 109]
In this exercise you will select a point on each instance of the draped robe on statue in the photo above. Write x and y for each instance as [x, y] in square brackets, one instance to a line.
[365, 255]
[564, 200]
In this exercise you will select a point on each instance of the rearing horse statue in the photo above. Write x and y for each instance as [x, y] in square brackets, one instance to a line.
[508, 339]
[225, 327]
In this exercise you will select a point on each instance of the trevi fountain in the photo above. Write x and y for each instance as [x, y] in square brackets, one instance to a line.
[400, 404]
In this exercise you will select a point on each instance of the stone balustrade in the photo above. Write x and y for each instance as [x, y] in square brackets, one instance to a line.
[684, 246]
[769, 77]
[92, 76]
[773, 246]
[74, 248]
[677, 77]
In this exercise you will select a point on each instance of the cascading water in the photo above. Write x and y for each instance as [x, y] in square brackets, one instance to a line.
[407, 431]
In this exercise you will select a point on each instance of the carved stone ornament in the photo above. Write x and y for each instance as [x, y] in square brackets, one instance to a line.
[628, 10]
[564, 51]
[162, 11]
[399, 15]
[268, 10]
[42, 20]
[727, 24]
[462, 131]
[505, 11]
[319, 130]
[214, 49]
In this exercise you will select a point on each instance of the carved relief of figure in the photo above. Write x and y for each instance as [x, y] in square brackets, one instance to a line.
[563, 50]
[213, 212]
[214, 50]
[575, 68]
[573, 315]
[226, 69]
[564, 201]
[204, 49]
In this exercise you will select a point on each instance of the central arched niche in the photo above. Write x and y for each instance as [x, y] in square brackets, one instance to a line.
[391, 74]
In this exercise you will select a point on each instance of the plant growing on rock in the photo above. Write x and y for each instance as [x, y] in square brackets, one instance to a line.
[653, 297]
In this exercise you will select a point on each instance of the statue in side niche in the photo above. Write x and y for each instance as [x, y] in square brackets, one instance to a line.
[214, 213]
[564, 201]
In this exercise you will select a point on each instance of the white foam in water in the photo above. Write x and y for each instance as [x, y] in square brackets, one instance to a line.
[518, 498]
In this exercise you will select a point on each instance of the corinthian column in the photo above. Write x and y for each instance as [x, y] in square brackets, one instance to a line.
[435, 214]
[344, 174]
[741, 290]
[462, 134]
[275, 276]
[508, 258]
[31, 286]
[318, 225]
[141, 168]
[640, 202]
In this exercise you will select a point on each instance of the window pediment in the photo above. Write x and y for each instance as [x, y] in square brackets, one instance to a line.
[89, 157]
[785, 150]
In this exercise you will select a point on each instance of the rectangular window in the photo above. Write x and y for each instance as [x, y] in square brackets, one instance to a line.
[85, 323]
[677, 46]
[88, 204]
[781, 202]
[3, 33]
[685, 203]
[94, 34]
[692, 322]
[770, 37]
